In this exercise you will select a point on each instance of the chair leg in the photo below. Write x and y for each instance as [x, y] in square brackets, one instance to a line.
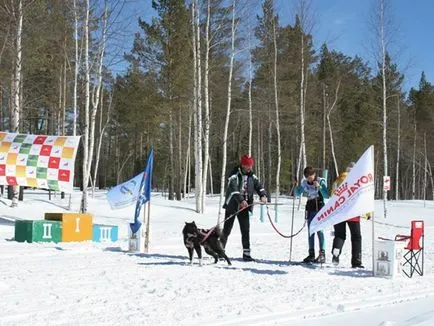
[412, 259]
[407, 261]
[417, 266]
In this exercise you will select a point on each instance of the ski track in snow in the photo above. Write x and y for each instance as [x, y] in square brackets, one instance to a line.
[102, 284]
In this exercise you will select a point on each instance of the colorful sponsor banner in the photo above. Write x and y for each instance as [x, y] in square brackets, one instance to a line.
[38, 161]
[353, 197]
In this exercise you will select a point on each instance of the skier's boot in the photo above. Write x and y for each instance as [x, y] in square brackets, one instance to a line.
[321, 257]
[311, 257]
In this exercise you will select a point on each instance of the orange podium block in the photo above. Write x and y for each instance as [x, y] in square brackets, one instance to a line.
[75, 226]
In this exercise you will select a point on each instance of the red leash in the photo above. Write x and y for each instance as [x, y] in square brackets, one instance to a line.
[280, 233]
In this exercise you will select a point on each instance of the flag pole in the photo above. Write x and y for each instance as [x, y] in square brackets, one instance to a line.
[147, 225]
[148, 219]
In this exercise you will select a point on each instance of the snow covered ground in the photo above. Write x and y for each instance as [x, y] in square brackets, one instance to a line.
[87, 283]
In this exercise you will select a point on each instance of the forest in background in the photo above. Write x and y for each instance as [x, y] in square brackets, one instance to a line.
[206, 82]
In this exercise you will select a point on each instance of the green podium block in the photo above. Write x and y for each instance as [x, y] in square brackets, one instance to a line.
[38, 231]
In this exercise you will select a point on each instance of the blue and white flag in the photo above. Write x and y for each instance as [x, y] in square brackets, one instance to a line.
[126, 193]
[144, 192]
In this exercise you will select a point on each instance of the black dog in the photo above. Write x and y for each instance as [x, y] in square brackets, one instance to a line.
[209, 239]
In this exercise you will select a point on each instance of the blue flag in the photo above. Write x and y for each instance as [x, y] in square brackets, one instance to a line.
[144, 191]
[126, 193]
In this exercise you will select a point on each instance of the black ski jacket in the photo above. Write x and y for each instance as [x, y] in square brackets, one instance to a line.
[234, 190]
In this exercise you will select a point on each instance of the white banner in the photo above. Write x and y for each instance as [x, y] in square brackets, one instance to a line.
[353, 197]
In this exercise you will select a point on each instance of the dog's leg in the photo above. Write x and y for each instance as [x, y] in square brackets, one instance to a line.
[218, 248]
[211, 252]
[199, 252]
[190, 255]
[223, 254]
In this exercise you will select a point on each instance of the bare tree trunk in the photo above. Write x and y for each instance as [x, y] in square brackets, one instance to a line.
[413, 186]
[63, 117]
[228, 111]
[83, 205]
[198, 186]
[259, 152]
[276, 102]
[90, 118]
[172, 169]
[324, 125]
[187, 159]
[425, 168]
[195, 132]
[269, 158]
[101, 135]
[207, 108]
[250, 98]
[331, 130]
[398, 149]
[16, 107]
[76, 67]
[59, 109]
[180, 148]
[302, 117]
[210, 178]
[383, 70]
[197, 108]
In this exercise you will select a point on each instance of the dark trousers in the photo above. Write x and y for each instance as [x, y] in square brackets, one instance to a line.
[356, 239]
[243, 219]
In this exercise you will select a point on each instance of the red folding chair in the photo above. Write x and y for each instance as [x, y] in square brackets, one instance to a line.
[414, 255]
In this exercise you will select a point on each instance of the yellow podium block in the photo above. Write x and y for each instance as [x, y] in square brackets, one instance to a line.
[75, 226]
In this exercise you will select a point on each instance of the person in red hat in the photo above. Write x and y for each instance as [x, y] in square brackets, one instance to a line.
[239, 198]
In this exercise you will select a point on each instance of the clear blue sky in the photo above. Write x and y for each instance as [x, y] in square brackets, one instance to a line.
[344, 26]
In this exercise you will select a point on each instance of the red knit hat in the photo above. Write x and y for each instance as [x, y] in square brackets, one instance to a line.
[247, 160]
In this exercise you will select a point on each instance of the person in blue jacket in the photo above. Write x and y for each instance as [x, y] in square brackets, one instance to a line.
[315, 189]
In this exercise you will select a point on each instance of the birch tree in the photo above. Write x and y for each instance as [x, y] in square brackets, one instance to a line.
[91, 98]
[276, 103]
[17, 14]
[382, 27]
[329, 111]
[383, 70]
[102, 129]
[228, 108]
[197, 108]
[303, 25]
[83, 205]
[250, 98]
[398, 148]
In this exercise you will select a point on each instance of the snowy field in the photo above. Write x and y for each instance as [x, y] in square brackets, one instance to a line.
[86, 283]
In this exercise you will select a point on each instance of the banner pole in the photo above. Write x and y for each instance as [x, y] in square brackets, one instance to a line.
[373, 245]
